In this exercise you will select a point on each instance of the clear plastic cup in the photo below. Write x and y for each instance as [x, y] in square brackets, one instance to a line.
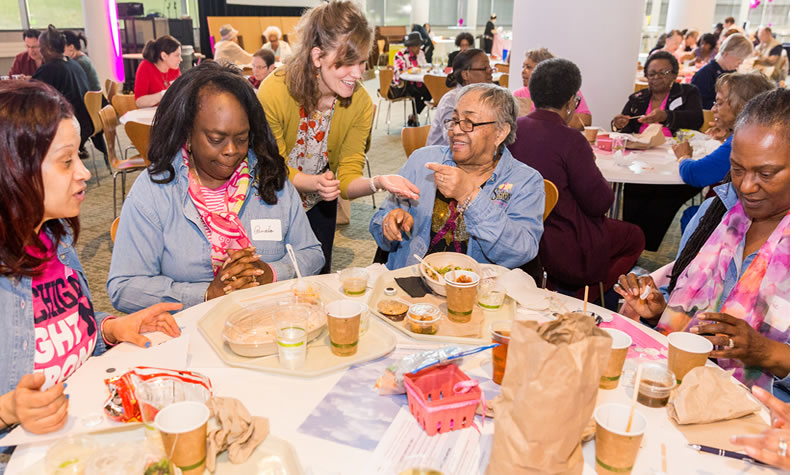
[154, 395]
[291, 329]
[354, 281]
[491, 295]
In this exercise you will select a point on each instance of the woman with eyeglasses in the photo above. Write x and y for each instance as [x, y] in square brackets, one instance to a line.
[674, 106]
[475, 198]
[470, 67]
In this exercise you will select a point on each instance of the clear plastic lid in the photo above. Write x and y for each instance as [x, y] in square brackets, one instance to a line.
[255, 325]
[420, 310]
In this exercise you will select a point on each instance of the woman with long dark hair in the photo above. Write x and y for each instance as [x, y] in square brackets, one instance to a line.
[74, 51]
[214, 211]
[49, 324]
[157, 71]
[731, 278]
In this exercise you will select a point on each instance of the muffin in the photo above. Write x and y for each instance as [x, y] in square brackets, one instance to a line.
[394, 310]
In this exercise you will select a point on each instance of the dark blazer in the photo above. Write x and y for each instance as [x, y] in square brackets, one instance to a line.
[684, 110]
[68, 78]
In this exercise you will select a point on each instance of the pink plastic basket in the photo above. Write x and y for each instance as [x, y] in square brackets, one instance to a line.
[435, 404]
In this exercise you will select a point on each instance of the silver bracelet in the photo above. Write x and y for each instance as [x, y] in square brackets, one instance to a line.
[462, 208]
[372, 185]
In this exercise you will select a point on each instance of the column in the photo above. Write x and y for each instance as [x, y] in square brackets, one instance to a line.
[102, 31]
[655, 13]
[420, 12]
[691, 14]
[579, 31]
[471, 21]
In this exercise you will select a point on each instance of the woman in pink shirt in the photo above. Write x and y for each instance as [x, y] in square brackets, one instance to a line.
[582, 116]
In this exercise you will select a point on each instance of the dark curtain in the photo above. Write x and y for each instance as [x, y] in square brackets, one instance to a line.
[207, 8]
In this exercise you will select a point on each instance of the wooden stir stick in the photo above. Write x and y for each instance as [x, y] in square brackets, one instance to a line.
[635, 397]
[585, 299]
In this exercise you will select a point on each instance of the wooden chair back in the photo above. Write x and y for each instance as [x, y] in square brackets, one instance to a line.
[94, 101]
[550, 198]
[708, 117]
[414, 138]
[436, 86]
[113, 230]
[109, 121]
[140, 137]
[123, 103]
[503, 81]
[385, 77]
[501, 67]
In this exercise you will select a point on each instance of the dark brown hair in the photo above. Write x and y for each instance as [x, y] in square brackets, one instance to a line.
[267, 55]
[153, 48]
[338, 28]
[30, 113]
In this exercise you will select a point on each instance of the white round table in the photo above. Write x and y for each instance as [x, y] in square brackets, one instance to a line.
[287, 401]
[418, 77]
[145, 116]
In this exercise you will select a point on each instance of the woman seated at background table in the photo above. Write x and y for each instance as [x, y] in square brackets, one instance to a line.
[279, 48]
[470, 67]
[263, 65]
[731, 54]
[73, 51]
[157, 71]
[674, 106]
[731, 277]
[474, 197]
[49, 325]
[686, 49]
[405, 60]
[733, 92]
[582, 116]
[705, 51]
[464, 41]
[580, 246]
[214, 210]
[768, 54]
[321, 116]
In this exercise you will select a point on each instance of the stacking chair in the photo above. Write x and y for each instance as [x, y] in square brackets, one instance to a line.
[123, 103]
[437, 87]
[414, 138]
[385, 76]
[383, 56]
[118, 166]
[503, 81]
[550, 198]
[366, 149]
[93, 100]
[140, 137]
[501, 67]
[708, 117]
[113, 230]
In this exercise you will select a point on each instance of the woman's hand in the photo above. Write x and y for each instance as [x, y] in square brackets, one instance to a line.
[37, 411]
[682, 150]
[631, 287]
[718, 133]
[130, 327]
[766, 446]
[395, 223]
[621, 121]
[325, 184]
[736, 339]
[452, 182]
[654, 117]
[239, 271]
[398, 186]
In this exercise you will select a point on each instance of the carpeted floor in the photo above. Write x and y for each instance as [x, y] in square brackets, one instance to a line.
[354, 245]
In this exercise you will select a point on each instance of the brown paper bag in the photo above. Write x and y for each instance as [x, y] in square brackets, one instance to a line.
[708, 394]
[651, 137]
[548, 395]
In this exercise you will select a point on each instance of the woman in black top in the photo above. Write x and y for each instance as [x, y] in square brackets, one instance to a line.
[488, 35]
[674, 106]
[464, 41]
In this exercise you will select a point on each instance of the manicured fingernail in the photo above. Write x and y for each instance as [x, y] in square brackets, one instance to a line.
[259, 272]
[258, 256]
[227, 288]
[224, 277]
[65, 385]
[147, 345]
[67, 395]
[693, 329]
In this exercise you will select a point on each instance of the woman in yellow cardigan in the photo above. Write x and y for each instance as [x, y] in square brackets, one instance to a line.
[321, 116]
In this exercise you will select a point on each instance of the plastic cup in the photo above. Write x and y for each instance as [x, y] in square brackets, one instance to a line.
[153, 396]
[656, 385]
[291, 330]
[501, 333]
[462, 290]
[621, 341]
[354, 281]
[618, 142]
[686, 352]
[591, 133]
[491, 295]
[344, 319]
[183, 433]
[616, 449]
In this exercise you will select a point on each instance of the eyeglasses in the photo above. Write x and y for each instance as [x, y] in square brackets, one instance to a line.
[659, 74]
[487, 69]
[465, 124]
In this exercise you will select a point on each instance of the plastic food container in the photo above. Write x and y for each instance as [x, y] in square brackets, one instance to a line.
[656, 385]
[70, 455]
[445, 261]
[423, 318]
[251, 330]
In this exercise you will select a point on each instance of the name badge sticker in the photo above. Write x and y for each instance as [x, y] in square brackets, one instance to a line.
[778, 314]
[676, 103]
[265, 230]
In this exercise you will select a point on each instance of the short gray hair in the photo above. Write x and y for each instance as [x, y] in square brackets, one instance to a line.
[501, 101]
[737, 45]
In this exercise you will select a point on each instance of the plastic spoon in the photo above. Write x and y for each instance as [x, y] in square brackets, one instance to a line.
[436, 274]
[301, 285]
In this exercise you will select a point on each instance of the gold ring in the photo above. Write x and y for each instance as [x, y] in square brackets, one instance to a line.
[783, 447]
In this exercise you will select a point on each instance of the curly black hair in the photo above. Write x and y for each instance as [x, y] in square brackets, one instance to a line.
[673, 61]
[553, 82]
[465, 36]
[462, 62]
[709, 39]
[174, 120]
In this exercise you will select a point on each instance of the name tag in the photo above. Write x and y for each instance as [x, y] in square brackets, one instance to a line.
[265, 230]
[676, 103]
[778, 314]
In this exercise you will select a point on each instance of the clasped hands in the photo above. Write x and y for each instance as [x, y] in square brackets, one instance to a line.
[243, 269]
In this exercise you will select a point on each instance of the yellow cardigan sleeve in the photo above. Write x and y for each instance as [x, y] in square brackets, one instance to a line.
[282, 113]
[350, 161]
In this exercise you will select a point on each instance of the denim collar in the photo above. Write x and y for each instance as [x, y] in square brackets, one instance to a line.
[502, 168]
[727, 193]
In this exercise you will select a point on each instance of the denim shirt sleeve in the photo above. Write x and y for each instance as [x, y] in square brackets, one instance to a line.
[389, 203]
[307, 248]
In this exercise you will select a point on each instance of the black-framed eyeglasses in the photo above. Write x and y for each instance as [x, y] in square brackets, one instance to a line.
[660, 74]
[465, 124]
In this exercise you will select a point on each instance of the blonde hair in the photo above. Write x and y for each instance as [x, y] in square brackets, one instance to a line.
[338, 28]
[273, 29]
[737, 45]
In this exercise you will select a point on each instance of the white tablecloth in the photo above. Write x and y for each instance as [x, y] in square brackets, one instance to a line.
[287, 401]
[656, 166]
[417, 77]
[144, 116]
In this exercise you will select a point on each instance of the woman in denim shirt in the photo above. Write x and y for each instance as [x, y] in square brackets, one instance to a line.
[49, 325]
[215, 210]
[475, 198]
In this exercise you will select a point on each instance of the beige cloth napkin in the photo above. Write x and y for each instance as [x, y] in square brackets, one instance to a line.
[236, 431]
[708, 394]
